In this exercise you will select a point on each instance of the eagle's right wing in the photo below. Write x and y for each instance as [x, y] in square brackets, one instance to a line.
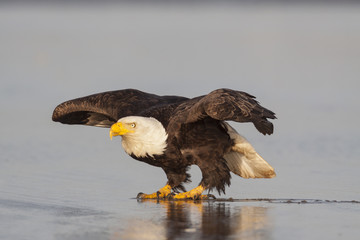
[104, 109]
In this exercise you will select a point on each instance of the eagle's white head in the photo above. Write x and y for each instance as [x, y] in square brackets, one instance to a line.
[141, 136]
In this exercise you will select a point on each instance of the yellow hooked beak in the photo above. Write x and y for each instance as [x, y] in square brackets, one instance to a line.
[118, 129]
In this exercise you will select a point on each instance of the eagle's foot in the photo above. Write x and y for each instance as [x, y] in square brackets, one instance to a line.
[162, 193]
[195, 194]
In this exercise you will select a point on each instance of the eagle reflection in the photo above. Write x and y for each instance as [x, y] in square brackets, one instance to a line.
[204, 220]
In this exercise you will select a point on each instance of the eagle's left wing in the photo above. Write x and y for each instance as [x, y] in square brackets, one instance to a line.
[225, 104]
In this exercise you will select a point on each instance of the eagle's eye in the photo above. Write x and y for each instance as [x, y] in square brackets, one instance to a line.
[133, 125]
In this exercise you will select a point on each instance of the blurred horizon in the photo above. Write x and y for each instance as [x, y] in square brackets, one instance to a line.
[186, 2]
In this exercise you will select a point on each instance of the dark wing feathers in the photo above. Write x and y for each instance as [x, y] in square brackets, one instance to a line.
[104, 109]
[226, 104]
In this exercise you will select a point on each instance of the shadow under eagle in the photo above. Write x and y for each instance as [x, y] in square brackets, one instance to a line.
[174, 132]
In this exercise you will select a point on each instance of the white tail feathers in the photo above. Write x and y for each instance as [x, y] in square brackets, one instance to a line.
[243, 160]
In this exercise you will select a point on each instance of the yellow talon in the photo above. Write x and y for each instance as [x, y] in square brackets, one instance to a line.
[162, 193]
[192, 194]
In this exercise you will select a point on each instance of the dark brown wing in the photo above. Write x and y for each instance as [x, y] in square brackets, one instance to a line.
[225, 104]
[104, 109]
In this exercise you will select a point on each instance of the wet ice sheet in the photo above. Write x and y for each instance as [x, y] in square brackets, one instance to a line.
[181, 220]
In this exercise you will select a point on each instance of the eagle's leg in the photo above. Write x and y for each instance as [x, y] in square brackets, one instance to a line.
[195, 194]
[162, 193]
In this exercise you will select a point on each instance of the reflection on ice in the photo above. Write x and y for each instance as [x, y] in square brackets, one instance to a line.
[141, 229]
[199, 220]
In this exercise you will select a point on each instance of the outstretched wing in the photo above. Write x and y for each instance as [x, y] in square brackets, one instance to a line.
[225, 104]
[104, 109]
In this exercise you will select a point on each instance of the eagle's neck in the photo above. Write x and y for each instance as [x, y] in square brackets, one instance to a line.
[148, 141]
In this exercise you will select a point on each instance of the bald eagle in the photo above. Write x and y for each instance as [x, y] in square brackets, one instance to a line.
[173, 133]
